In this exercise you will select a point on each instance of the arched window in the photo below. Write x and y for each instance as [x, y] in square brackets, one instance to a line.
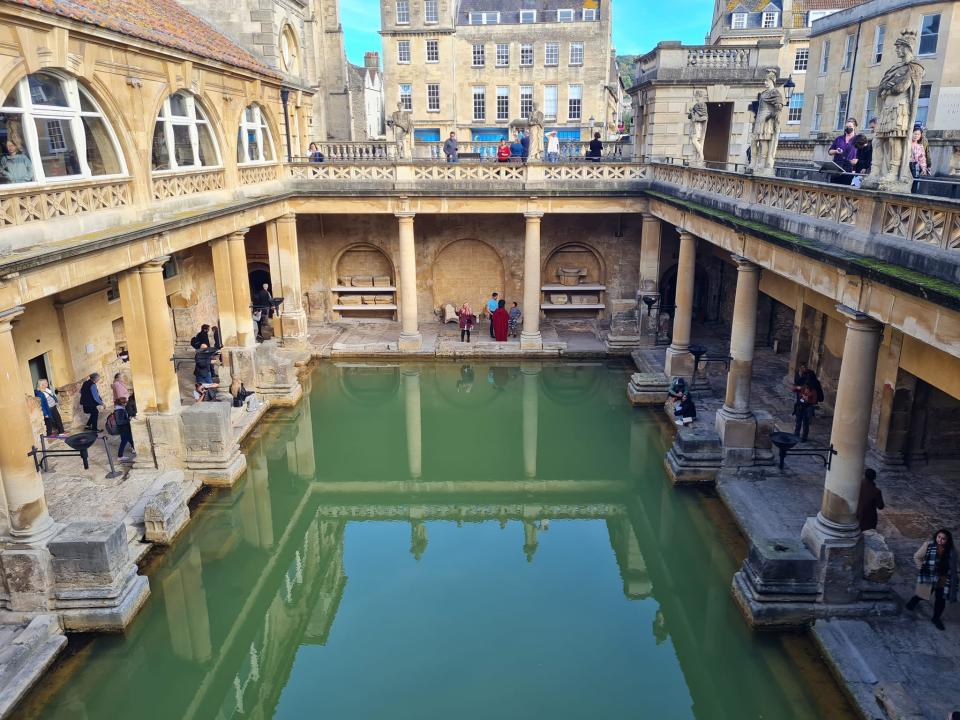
[51, 129]
[254, 144]
[183, 127]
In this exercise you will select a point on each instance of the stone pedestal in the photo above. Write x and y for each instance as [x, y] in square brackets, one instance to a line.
[410, 342]
[212, 453]
[166, 437]
[166, 514]
[736, 429]
[695, 456]
[624, 327]
[679, 363]
[276, 374]
[647, 389]
[777, 585]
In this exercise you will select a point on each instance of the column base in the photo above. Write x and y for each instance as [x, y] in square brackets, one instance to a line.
[294, 326]
[695, 457]
[679, 363]
[531, 341]
[737, 430]
[166, 442]
[647, 389]
[410, 342]
[213, 456]
[839, 552]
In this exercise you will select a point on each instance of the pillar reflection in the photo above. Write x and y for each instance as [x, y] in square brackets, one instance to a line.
[531, 409]
[418, 538]
[256, 510]
[185, 600]
[411, 404]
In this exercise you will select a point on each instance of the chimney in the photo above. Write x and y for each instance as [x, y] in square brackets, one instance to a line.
[371, 60]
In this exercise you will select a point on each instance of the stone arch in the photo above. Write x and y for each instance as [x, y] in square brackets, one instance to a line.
[361, 259]
[571, 255]
[467, 270]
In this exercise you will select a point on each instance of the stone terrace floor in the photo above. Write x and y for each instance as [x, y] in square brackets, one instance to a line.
[898, 667]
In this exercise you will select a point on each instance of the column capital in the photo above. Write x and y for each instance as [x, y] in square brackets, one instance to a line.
[8, 316]
[155, 265]
[533, 215]
[405, 214]
[857, 320]
[744, 265]
[287, 218]
[649, 217]
[686, 234]
[239, 234]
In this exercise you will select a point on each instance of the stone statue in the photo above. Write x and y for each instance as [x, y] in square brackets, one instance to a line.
[698, 125]
[897, 97]
[766, 126]
[402, 123]
[535, 122]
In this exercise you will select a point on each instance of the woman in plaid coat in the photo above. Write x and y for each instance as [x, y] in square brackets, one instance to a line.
[937, 579]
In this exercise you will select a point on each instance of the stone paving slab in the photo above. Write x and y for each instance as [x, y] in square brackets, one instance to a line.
[26, 651]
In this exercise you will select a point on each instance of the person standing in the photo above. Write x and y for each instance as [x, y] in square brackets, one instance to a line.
[516, 317]
[596, 149]
[500, 321]
[203, 365]
[871, 500]
[119, 388]
[844, 153]
[122, 419]
[50, 406]
[918, 156]
[91, 402]
[451, 148]
[936, 561]
[553, 146]
[467, 320]
[805, 411]
[864, 147]
[525, 145]
[503, 151]
[492, 305]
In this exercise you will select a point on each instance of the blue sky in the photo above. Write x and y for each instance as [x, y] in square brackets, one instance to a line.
[638, 25]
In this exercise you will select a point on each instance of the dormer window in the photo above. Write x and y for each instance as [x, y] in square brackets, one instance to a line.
[484, 18]
[565, 16]
[589, 14]
[771, 19]
[528, 16]
[738, 21]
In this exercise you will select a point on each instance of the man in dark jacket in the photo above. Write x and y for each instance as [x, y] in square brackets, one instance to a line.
[451, 149]
[871, 500]
[90, 401]
[203, 365]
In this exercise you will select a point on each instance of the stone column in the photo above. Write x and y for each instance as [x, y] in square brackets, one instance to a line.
[836, 523]
[410, 338]
[22, 487]
[530, 337]
[223, 280]
[135, 328]
[736, 423]
[531, 417]
[160, 335]
[241, 288]
[679, 360]
[649, 280]
[411, 403]
[285, 272]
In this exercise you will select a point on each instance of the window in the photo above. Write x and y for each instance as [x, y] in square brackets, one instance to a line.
[403, 12]
[528, 16]
[576, 53]
[879, 35]
[848, 52]
[526, 100]
[551, 54]
[430, 12]
[770, 19]
[795, 109]
[403, 51]
[738, 21]
[589, 14]
[825, 58]
[289, 54]
[870, 106]
[817, 113]
[479, 103]
[841, 110]
[564, 15]
[433, 51]
[929, 32]
[254, 144]
[182, 138]
[484, 18]
[550, 102]
[51, 128]
[503, 104]
[503, 54]
[479, 55]
[801, 59]
[923, 103]
[433, 98]
[406, 97]
[526, 55]
[574, 102]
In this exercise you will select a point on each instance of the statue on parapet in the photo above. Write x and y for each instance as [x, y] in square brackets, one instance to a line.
[766, 126]
[698, 125]
[535, 125]
[897, 99]
[402, 123]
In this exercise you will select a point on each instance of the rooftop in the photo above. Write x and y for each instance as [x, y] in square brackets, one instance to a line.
[510, 9]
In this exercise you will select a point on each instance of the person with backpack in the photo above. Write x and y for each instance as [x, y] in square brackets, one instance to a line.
[91, 402]
[122, 420]
[201, 338]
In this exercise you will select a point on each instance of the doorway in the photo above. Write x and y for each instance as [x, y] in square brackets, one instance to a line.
[39, 370]
[260, 274]
[716, 143]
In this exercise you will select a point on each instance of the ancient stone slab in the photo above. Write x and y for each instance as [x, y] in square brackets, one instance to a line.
[647, 389]
[695, 456]
[878, 560]
[166, 514]
[212, 453]
[27, 577]
[88, 552]
[26, 651]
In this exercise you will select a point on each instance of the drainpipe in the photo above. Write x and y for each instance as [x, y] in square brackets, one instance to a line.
[853, 70]
[284, 97]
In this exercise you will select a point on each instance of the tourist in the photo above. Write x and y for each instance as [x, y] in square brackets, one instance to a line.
[918, 158]
[451, 149]
[516, 148]
[122, 420]
[203, 365]
[15, 165]
[677, 389]
[467, 321]
[492, 305]
[936, 561]
[119, 388]
[91, 402]
[201, 338]
[516, 317]
[923, 141]
[685, 411]
[871, 500]
[503, 151]
[864, 147]
[553, 146]
[844, 153]
[50, 406]
[315, 156]
[596, 149]
[805, 409]
[525, 144]
[500, 322]
[806, 376]
[199, 392]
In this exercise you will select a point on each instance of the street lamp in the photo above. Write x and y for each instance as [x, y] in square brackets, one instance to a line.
[788, 88]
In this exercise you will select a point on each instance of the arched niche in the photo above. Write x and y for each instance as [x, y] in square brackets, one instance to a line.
[575, 255]
[364, 283]
[467, 270]
[574, 282]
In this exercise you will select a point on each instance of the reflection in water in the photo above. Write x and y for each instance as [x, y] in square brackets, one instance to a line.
[252, 614]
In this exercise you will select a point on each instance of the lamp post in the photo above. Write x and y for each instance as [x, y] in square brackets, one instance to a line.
[788, 87]
[284, 98]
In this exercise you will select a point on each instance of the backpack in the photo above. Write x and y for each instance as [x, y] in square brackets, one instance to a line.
[110, 424]
[195, 342]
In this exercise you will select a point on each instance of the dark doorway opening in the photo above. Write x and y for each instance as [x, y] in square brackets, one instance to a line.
[39, 370]
[259, 274]
[716, 143]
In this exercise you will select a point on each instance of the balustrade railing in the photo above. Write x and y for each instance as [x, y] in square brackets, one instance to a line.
[21, 206]
[337, 151]
[718, 57]
[570, 150]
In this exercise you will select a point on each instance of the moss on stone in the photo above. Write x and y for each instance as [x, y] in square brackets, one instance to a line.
[913, 277]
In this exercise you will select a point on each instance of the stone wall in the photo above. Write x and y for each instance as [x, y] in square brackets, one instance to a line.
[195, 301]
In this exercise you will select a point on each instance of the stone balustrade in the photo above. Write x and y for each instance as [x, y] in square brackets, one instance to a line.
[18, 207]
[343, 151]
[718, 56]
[569, 150]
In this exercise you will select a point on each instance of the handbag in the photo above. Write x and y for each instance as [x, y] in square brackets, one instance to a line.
[110, 424]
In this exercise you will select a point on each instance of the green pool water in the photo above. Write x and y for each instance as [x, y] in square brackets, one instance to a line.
[448, 541]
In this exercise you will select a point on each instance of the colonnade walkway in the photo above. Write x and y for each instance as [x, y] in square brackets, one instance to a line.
[903, 661]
